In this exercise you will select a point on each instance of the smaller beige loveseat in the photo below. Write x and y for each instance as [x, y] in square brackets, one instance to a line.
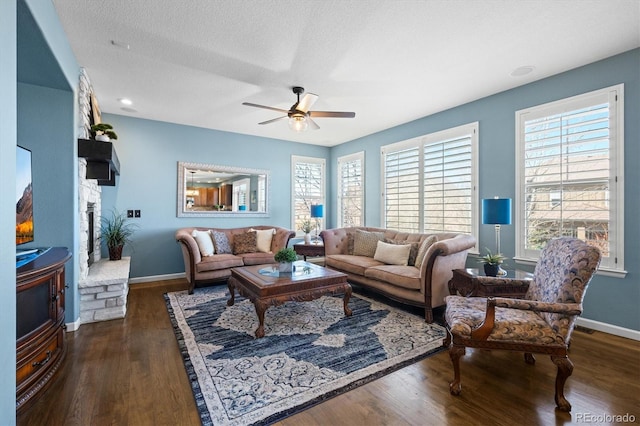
[419, 279]
[210, 253]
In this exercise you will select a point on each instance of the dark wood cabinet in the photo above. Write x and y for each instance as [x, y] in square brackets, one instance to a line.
[40, 328]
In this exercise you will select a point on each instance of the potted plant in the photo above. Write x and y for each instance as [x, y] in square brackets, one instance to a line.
[116, 232]
[285, 258]
[306, 227]
[103, 132]
[492, 262]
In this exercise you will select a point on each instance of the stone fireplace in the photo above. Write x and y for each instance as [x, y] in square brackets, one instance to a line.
[103, 285]
[89, 196]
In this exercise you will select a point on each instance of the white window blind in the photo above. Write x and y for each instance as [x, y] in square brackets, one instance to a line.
[430, 182]
[351, 190]
[402, 183]
[308, 187]
[568, 157]
[448, 188]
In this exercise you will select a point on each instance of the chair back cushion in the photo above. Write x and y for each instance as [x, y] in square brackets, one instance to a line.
[562, 275]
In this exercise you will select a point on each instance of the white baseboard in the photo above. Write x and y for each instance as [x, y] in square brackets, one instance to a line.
[157, 278]
[73, 326]
[609, 328]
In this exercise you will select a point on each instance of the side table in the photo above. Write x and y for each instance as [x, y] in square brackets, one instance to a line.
[309, 250]
[470, 282]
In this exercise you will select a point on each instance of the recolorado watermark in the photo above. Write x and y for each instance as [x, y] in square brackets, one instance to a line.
[604, 418]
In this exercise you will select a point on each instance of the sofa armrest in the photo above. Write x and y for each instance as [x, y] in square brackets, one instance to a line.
[184, 237]
[190, 254]
[336, 241]
[281, 239]
[457, 244]
[437, 268]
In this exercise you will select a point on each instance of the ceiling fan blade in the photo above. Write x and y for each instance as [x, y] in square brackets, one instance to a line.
[307, 102]
[333, 114]
[273, 120]
[312, 124]
[265, 107]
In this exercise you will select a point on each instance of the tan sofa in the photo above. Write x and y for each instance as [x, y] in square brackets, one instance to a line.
[217, 267]
[425, 287]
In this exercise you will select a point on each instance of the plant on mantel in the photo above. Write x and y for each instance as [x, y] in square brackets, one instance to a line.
[103, 132]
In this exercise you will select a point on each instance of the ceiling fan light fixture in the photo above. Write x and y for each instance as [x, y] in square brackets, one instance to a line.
[298, 122]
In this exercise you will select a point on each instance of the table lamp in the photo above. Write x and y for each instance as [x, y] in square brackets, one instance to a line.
[497, 211]
[317, 212]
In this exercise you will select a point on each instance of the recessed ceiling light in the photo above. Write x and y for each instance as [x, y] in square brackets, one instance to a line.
[120, 44]
[523, 70]
[125, 101]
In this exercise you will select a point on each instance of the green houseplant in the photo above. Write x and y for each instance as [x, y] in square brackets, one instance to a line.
[285, 257]
[492, 262]
[116, 232]
[103, 132]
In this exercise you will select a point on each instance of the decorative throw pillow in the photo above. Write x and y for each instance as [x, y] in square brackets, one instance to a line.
[424, 246]
[204, 241]
[264, 239]
[245, 242]
[365, 242]
[221, 242]
[414, 249]
[392, 254]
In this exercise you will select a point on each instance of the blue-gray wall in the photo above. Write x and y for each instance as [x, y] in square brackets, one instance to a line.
[40, 114]
[609, 300]
[149, 152]
[8, 132]
[54, 172]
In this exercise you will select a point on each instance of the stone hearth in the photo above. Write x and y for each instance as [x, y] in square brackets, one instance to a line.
[103, 293]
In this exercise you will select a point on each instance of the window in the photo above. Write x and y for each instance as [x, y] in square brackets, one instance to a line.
[240, 194]
[351, 190]
[308, 187]
[430, 182]
[570, 159]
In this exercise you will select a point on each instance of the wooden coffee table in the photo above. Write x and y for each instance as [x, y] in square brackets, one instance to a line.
[265, 286]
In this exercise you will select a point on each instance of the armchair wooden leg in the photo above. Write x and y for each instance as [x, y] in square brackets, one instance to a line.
[529, 358]
[455, 352]
[565, 368]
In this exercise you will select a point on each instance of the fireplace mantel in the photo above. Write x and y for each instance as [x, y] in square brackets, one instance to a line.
[102, 160]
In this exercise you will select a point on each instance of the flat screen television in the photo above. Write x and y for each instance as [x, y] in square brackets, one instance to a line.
[24, 197]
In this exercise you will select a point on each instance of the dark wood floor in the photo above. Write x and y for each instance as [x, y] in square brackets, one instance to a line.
[130, 372]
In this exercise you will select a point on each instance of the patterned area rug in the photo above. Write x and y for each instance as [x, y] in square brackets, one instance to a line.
[311, 351]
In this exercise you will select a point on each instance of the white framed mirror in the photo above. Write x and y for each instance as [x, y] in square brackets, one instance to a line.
[207, 190]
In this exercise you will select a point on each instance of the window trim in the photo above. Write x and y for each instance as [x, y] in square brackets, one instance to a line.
[615, 95]
[343, 160]
[472, 129]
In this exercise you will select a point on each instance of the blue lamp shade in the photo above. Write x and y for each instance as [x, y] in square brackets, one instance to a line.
[317, 210]
[496, 211]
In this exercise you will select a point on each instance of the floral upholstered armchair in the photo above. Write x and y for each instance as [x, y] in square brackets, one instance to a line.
[542, 322]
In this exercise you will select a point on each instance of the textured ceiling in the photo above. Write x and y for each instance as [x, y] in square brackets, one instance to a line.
[390, 61]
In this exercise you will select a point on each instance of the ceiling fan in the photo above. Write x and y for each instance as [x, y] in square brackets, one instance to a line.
[299, 114]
